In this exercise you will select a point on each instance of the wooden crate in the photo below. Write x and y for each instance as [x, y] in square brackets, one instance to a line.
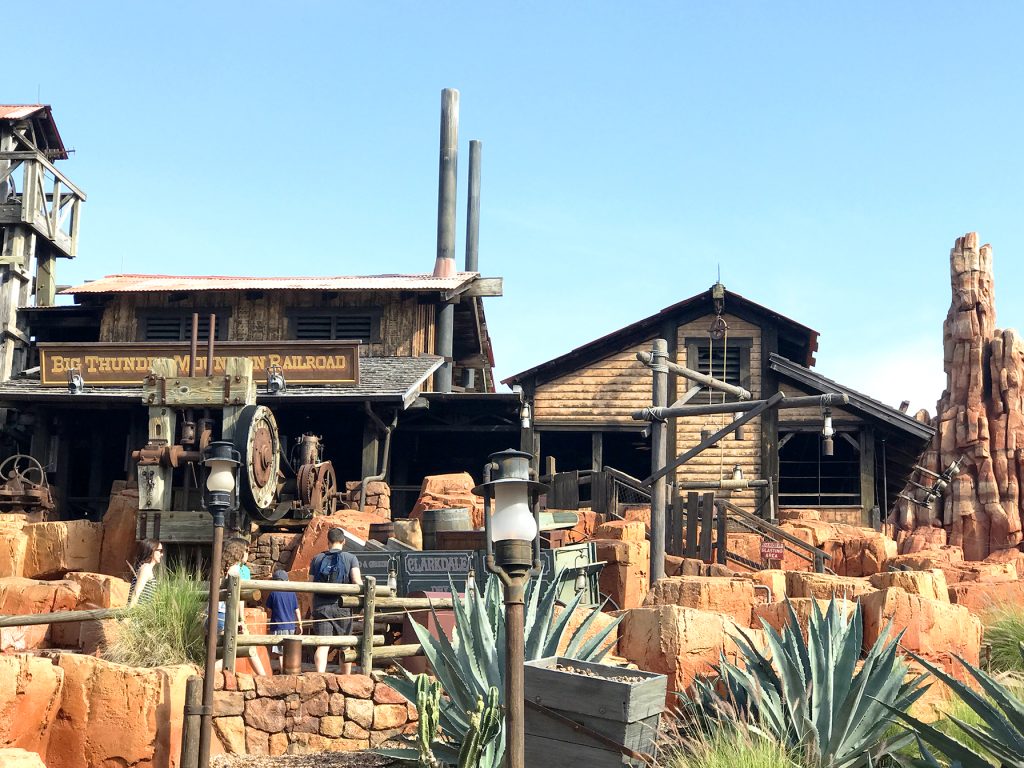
[447, 540]
[626, 712]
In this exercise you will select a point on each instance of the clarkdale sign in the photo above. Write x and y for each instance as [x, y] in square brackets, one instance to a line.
[123, 365]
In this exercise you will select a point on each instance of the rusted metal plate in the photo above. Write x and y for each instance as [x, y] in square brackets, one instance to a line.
[118, 365]
[167, 283]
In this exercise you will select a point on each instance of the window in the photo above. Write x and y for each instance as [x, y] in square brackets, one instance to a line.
[709, 358]
[362, 325]
[808, 478]
[177, 326]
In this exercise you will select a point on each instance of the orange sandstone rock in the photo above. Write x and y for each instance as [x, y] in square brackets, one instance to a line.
[452, 491]
[119, 530]
[53, 549]
[30, 694]
[730, 596]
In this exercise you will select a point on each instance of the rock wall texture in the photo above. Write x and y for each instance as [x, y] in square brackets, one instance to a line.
[980, 417]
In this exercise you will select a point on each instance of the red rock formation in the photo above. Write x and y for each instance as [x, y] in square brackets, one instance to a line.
[980, 417]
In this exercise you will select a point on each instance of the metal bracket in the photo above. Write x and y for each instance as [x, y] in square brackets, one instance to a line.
[197, 709]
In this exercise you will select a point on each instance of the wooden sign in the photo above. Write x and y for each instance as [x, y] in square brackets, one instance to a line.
[772, 550]
[125, 365]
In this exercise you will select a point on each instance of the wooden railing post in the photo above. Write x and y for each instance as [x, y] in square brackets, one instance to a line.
[707, 523]
[722, 544]
[369, 613]
[190, 727]
[234, 596]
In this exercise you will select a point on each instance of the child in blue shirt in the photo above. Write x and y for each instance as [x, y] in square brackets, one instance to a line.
[285, 617]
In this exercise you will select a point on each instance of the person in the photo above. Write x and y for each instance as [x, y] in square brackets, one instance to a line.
[235, 552]
[334, 566]
[143, 587]
[285, 616]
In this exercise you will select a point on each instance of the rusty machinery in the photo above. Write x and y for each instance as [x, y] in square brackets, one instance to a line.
[314, 490]
[24, 486]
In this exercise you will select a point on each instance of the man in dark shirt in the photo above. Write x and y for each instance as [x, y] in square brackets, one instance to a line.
[333, 567]
[285, 617]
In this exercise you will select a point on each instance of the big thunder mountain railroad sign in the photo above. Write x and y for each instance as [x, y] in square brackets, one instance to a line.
[124, 365]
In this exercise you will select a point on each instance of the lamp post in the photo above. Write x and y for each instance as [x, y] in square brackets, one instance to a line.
[511, 526]
[221, 460]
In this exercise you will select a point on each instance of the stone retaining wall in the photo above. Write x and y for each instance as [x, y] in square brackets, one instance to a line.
[297, 714]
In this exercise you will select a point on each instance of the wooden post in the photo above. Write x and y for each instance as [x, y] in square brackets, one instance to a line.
[867, 474]
[677, 521]
[722, 535]
[706, 526]
[692, 513]
[369, 613]
[234, 596]
[46, 280]
[596, 451]
[190, 727]
[659, 457]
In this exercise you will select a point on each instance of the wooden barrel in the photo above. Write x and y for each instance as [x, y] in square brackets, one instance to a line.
[382, 531]
[435, 520]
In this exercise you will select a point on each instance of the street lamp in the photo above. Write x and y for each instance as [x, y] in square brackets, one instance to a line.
[511, 525]
[221, 460]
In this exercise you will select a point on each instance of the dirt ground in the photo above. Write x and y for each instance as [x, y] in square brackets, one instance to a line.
[321, 760]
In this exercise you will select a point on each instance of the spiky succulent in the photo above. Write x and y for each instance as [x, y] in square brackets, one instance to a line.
[472, 662]
[809, 695]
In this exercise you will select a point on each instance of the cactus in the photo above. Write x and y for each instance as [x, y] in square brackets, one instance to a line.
[484, 725]
[428, 705]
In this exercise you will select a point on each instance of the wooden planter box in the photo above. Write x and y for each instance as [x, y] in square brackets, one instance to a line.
[626, 712]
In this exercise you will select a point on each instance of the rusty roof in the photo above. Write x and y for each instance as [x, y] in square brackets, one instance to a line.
[171, 283]
[47, 137]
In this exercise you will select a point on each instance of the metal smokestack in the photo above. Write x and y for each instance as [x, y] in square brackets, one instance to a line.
[473, 209]
[444, 265]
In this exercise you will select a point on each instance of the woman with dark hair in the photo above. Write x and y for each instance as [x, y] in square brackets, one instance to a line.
[150, 554]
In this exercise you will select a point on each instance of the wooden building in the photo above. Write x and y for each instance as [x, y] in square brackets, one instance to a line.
[582, 404]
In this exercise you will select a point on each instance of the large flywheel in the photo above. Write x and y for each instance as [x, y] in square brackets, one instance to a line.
[257, 440]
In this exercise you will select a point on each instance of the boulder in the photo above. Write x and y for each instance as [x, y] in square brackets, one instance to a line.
[930, 584]
[683, 566]
[600, 622]
[20, 596]
[682, 643]
[256, 622]
[731, 596]
[776, 615]
[772, 578]
[1014, 556]
[410, 532]
[111, 714]
[947, 559]
[314, 537]
[926, 537]
[586, 523]
[798, 515]
[450, 492]
[13, 544]
[53, 549]
[117, 551]
[934, 630]
[985, 571]
[824, 586]
[30, 695]
[981, 597]
[621, 530]
[11, 757]
[624, 578]
[97, 590]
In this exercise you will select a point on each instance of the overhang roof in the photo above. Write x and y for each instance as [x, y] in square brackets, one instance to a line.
[860, 403]
[644, 329]
[47, 136]
[131, 283]
[381, 379]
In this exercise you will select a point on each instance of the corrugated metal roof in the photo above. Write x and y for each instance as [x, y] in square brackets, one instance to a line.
[166, 283]
[19, 111]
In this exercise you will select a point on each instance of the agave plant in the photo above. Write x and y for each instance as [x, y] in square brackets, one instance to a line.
[1000, 733]
[809, 695]
[472, 661]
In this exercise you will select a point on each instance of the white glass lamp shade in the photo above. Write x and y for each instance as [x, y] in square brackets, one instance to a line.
[512, 518]
[221, 477]
[827, 430]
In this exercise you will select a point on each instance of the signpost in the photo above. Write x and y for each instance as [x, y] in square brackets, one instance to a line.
[772, 551]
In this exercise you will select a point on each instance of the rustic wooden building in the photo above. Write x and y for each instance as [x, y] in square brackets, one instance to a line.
[119, 323]
[582, 404]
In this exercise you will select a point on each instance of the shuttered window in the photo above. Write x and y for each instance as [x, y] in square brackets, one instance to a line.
[178, 327]
[725, 360]
[335, 325]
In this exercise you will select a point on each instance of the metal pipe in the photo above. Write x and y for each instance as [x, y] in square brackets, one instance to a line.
[447, 181]
[210, 672]
[652, 414]
[445, 346]
[193, 346]
[209, 344]
[515, 633]
[700, 378]
[473, 208]
[387, 429]
[659, 458]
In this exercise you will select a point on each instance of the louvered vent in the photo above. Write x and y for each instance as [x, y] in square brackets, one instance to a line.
[178, 328]
[732, 363]
[353, 327]
[326, 327]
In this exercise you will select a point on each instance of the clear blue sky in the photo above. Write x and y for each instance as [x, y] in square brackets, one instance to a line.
[824, 155]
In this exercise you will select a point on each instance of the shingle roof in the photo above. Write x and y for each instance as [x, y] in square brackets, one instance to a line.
[380, 379]
[129, 283]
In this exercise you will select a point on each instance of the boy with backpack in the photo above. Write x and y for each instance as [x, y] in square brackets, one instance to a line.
[335, 566]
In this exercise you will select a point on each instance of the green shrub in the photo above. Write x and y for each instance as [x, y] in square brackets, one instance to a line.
[169, 629]
[1004, 631]
[725, 748]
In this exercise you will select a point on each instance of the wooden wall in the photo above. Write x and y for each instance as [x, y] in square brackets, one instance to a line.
[717, 462]
[606, 392]
[406, 325]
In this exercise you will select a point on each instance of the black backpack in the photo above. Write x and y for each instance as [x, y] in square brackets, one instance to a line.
[331, 568]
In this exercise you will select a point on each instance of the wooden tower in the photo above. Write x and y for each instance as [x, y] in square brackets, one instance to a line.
[39, 211]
